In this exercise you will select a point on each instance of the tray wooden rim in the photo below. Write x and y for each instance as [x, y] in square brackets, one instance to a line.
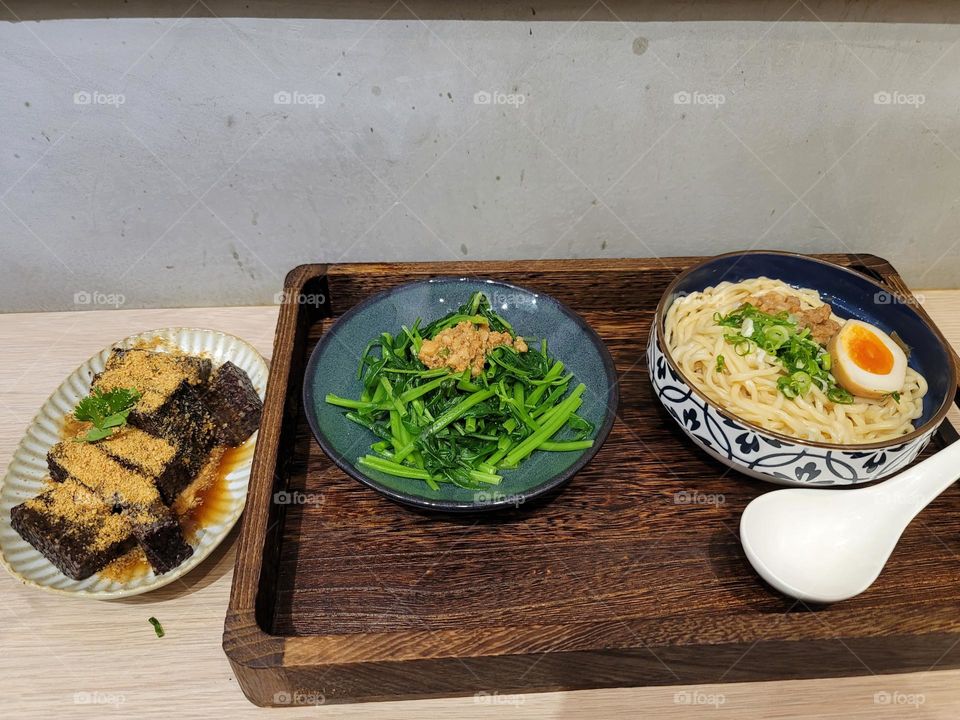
[249, 646]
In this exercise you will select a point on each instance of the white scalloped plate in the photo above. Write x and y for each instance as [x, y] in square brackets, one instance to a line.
[28, 467]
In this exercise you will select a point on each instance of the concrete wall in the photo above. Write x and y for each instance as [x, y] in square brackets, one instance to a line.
[153, 161]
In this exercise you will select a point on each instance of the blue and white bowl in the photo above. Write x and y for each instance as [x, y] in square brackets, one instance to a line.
[778, 458]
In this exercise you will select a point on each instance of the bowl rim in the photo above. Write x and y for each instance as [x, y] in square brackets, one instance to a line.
[511, 501]
[931, 424]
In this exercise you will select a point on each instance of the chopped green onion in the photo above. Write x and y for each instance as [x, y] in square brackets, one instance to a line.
[840, 396]
[157, 627]
[805, 362]
[776, 335]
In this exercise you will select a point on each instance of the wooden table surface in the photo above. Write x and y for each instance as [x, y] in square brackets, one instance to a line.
[73, 658]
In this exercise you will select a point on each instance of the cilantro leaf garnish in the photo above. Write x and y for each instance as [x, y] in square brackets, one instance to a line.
[105, 410]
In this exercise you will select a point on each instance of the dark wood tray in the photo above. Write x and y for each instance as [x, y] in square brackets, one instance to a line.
[341, 595]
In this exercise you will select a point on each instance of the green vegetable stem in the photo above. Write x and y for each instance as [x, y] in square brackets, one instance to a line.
[442, 426]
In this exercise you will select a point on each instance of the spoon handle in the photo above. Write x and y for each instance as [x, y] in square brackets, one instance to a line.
[916, 487]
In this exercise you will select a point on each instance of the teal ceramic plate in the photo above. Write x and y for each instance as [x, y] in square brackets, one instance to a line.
[333, 369]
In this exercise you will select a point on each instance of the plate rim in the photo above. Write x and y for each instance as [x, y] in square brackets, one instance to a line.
[194, 560]
[513, 501]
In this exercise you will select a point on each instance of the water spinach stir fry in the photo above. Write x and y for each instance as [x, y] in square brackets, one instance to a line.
[462, 398]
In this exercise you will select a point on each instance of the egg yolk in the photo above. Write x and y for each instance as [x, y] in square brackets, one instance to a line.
[868, 351]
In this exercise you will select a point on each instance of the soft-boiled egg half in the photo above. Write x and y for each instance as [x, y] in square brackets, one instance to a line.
[866, 361]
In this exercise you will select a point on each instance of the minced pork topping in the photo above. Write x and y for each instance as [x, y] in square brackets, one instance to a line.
[465, 346]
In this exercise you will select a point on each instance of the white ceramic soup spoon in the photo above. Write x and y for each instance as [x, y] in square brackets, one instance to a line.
[827, 545]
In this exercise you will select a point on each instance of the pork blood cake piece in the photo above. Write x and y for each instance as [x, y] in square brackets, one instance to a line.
[160, 460]
[152, 523]
[73, 528]
[234, 404]
[160, 537]
[169, 406]
[195, 369]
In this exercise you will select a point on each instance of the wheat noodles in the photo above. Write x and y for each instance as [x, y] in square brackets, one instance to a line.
[746, 385]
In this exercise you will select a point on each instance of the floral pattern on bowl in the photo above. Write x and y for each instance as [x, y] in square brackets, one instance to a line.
[763, 456]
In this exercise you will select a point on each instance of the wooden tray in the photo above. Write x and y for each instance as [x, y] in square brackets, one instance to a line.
[633, 575]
